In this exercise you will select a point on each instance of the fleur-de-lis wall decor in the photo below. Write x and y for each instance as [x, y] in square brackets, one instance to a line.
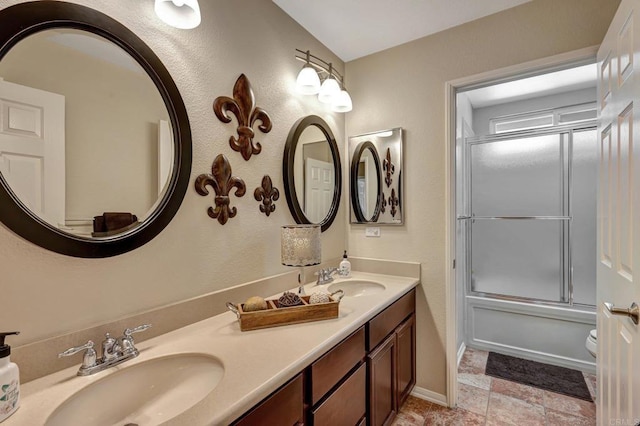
[243, 106]
[267, 194]
[393, 202]
[222, 183]
[389, 168]
[383, 204]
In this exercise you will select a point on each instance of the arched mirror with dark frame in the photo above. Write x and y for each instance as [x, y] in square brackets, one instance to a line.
[312, 172]
[376, 185]
[366, 183]
[97, 136]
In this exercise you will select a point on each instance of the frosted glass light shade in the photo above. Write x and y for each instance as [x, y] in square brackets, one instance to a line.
[300, 245]
[183, 14]
[342, 102]
[329, 90]
[308, 82]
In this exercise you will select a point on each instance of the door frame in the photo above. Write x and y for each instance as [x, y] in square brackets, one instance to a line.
[531, 68]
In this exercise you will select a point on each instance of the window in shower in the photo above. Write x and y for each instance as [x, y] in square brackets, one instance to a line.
[532, 215]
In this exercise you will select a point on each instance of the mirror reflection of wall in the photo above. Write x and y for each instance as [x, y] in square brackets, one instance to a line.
[376, 186]
[367, 184]
[114, 132]
[314, 169]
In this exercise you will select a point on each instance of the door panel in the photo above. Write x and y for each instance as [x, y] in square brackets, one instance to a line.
[518, 177]
[32, 149]
[522, 258]
[618, 233]
[319, 187]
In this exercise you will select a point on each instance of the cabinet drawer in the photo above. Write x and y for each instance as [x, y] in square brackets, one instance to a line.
[335, 364]
[284, 407]
[347, 405]
[386, 321]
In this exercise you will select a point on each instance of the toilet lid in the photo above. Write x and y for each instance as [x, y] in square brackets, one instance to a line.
[593, 334]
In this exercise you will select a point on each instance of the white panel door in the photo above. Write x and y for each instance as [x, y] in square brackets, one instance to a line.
[318, 189]
[32, 143]
[618, 276]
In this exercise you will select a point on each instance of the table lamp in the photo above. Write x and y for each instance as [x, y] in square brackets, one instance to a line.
[300, 246]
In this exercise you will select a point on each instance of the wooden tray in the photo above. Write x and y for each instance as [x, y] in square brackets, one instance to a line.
[275, 315]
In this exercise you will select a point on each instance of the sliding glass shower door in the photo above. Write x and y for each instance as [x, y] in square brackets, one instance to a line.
[520, 214]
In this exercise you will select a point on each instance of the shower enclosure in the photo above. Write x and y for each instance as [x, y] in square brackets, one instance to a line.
[527, 242]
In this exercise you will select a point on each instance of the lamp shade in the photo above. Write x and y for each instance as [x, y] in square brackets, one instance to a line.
[329, 90]
[342, 102]
[300, 245]
[308, 82]
[183, 14]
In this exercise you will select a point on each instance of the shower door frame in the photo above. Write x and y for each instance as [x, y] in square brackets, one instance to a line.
[565, 133]
[452, 87]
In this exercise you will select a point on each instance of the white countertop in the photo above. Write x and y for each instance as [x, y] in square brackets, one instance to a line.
[256, 362]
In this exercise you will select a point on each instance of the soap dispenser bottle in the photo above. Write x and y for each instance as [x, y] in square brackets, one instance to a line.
[9, 380]
[345, 266]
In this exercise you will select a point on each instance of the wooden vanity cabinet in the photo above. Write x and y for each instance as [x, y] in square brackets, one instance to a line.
[391, 364]
[406, 358]
[337, 384]
[363, 380]
[381, 365]
[284, 407]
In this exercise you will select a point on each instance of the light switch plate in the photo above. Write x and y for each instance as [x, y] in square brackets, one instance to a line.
[372, 232]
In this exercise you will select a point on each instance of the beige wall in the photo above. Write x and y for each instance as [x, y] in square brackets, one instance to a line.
[405, 86]
[45, 294]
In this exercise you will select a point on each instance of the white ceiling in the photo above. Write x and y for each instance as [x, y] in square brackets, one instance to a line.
[355, 28]
[581, 77]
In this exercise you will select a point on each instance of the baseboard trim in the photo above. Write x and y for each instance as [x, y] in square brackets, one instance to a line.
[427, 395]
[461, 350]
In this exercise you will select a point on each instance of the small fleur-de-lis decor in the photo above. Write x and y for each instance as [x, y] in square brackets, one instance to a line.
[393, 202]
[389, 168]
[243, 106]
[267, 194]
[383, 204]
[222, 183]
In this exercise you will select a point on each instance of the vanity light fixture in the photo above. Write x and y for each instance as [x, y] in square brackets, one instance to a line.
[332, 91]
[308, 82]
[183, 14]
[300, 246]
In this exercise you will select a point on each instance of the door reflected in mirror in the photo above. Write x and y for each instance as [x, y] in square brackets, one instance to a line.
[86, 131]
[376, 177]
[314, 174]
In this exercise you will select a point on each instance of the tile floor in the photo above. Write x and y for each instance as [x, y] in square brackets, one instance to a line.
[484, 400]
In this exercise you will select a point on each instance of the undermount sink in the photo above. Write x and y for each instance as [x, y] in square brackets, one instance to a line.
[147, 393]
[357, 288]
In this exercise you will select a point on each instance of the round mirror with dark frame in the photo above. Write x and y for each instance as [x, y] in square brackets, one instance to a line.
[366, 183]
[75, 177]
[312, 172]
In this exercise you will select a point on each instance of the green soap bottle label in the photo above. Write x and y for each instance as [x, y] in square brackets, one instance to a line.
[9, 394]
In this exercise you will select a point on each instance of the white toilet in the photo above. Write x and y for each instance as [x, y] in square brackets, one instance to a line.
[591, 343]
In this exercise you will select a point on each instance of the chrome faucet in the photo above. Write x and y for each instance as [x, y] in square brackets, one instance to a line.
[114, 352]
[325, 275]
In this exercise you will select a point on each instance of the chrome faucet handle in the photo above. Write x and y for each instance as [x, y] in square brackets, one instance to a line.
[110, 348]
[90, 356]
[324, 275]
[128, 344]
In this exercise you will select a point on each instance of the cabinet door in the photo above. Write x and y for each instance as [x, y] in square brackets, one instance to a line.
[382, 383]
[284, 407]
[406, 358]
